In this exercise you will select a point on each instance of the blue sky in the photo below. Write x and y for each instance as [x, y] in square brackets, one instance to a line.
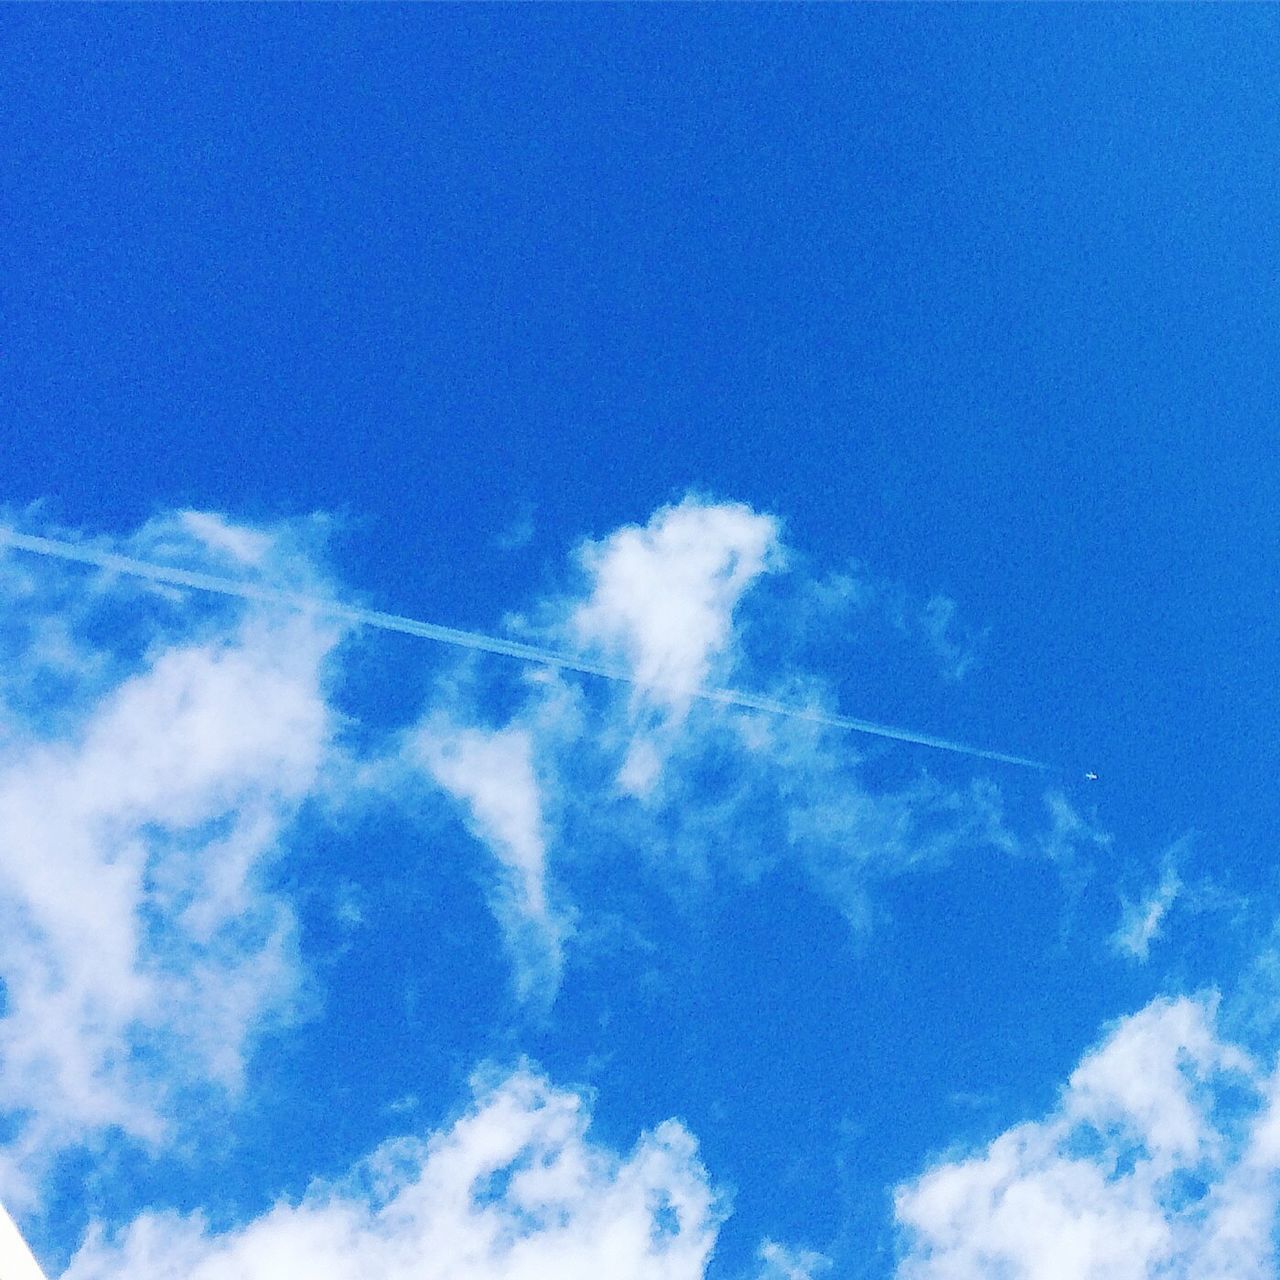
[914, 364]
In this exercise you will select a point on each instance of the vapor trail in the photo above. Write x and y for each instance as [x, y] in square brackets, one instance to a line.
[474, 640]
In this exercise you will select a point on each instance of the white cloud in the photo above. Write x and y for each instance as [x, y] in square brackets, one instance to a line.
[783, 1262]
[285, 555]
[492, 773]
[1068, 832]
[1160, 1160]
[139, 951]
[519, 530]
[1145, 1078]
[662, 596]
[667, 598]
[512, 1190]
[146, 823]
[1141, 922]
[934, 625]
[248, 546]
[938, 621]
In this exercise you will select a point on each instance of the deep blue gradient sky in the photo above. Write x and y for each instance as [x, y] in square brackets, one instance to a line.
[979, 302]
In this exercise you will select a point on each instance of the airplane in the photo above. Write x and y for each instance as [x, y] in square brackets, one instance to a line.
[1091, 777]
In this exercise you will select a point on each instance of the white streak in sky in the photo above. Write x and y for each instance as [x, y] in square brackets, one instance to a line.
[474, 640]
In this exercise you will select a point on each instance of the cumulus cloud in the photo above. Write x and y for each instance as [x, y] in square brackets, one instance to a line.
[139, 949]
[514, 1189]
[1161, 1159]
[662, 597]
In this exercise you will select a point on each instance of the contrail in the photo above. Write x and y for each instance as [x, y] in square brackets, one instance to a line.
[475, 640]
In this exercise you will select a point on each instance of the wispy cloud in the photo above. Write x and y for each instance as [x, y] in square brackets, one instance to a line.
[955, 653]
[627, 767]
[781, 1262]
[492, 773]
[518, 532]
[933, 624]
[1141, 921]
